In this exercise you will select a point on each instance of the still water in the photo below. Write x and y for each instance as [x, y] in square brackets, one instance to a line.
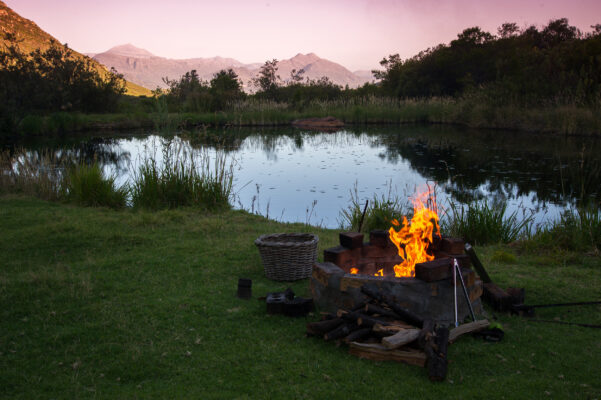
[295, 175]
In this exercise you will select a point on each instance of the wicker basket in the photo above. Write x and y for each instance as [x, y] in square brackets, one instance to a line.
[288, 256]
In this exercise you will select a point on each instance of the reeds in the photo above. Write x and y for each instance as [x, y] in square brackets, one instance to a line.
[480, 222]
[87, 185]
[380, 211]
[182, 180]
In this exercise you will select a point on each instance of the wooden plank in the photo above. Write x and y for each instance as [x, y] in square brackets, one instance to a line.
[435, 270]
[496, 297]
[470, 327]
[378, 352]
[518, 295]
[400, 338]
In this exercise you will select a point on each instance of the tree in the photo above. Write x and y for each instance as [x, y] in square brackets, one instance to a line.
[225, 87]
[296, 77]
[508, 30]
[267, 81]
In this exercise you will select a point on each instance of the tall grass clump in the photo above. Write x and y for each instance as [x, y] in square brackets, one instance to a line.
[183, 181]
[34, 173]
[86, 185]
[481, 223]
[380, 211]
[575, 230]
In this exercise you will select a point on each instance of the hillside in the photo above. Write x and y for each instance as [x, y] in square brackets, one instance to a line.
[32, 37]
[146, 69]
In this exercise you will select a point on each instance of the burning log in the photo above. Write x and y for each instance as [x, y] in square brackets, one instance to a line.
[436, 352]
[378, 352]
[400, 338]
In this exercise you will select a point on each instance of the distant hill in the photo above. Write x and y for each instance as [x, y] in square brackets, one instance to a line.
[144, 68]
[31, 37]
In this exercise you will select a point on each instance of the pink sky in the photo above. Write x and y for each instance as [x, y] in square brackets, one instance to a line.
[355, 33]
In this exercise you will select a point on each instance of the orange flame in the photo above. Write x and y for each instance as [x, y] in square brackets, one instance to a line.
[413, 240]
[380, 272]
[354, 271]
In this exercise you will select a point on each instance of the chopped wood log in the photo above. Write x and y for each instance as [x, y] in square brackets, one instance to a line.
[366, 320]
[518, 295]
[470, 327]
[322, 327]
[372, 309]
[357, 335]
[377, 352]
[358, 307]
[391, 329]
[403, 314]
[351, 240]
[436, 351]
[499, 299]
[436, 270]
[426, 333]
[400, 338]
[340, 332]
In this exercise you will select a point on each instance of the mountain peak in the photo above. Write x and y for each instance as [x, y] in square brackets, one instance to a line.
[305, 58]
[129, 50]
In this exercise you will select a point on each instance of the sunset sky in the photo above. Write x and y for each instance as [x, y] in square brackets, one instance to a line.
[355, 33]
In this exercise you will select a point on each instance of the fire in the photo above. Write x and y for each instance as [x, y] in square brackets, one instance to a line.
[413, 239]
[354, 271]
[380, 272]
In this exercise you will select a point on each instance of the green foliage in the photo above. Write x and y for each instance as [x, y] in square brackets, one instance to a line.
[481, 223]
[267, 80]
[52, 80]
[381, 210]
[576, 230]
[86, 185]
[181, 181]
[557, 65]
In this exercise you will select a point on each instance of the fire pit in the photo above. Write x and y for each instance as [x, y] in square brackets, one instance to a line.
[412, 263]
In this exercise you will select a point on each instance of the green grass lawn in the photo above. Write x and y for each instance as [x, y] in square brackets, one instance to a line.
[96, 303]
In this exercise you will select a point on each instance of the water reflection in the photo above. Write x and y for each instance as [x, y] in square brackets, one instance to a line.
[295, 175]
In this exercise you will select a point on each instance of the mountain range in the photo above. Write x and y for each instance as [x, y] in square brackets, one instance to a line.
[31, 37]
[148, 70]
[144, 70]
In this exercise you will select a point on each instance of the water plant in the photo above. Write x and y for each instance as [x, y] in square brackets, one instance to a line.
[380, 211]
[480, 222]
[182, 180]
[87, 185]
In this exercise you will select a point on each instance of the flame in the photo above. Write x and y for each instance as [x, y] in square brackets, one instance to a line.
[413, 239]
[380, 272]
[354, 271]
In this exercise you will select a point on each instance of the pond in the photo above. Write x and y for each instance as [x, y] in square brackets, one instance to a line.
[294, 175]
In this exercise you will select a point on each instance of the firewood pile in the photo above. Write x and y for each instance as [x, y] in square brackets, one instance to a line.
[380, 330]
